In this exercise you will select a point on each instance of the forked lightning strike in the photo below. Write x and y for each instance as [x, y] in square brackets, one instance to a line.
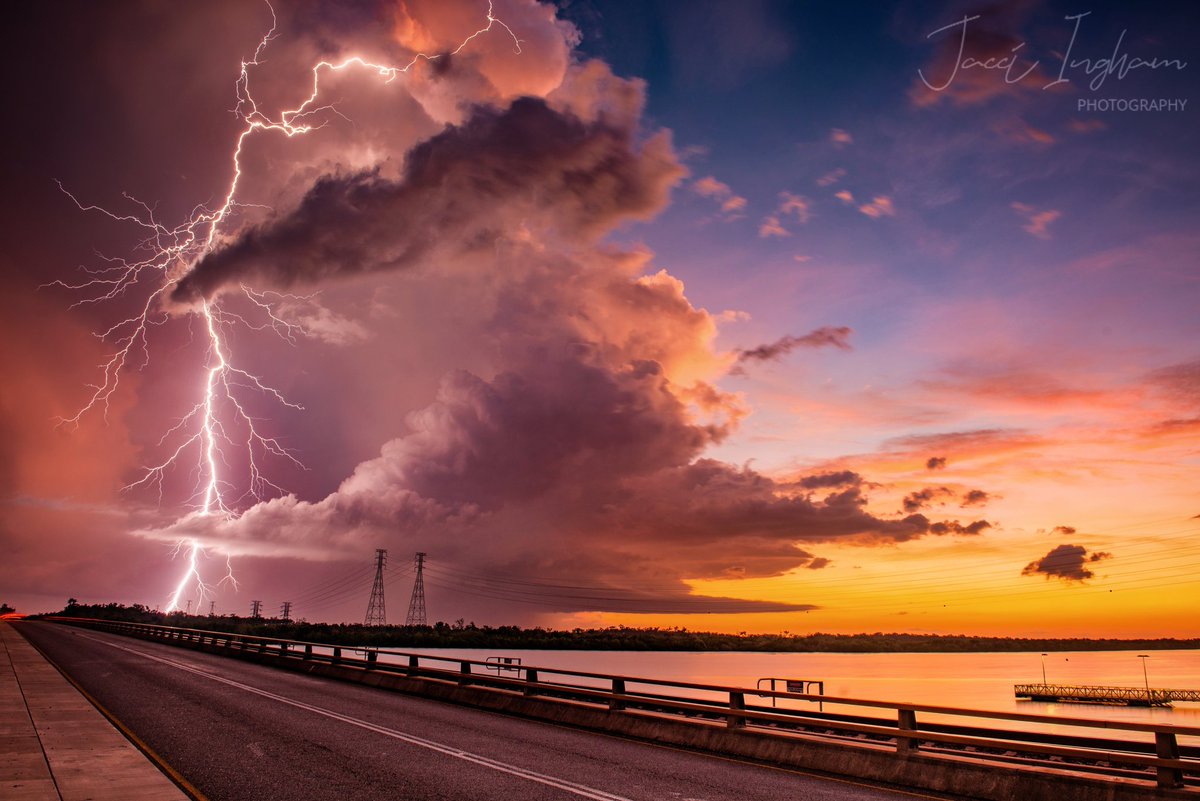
[219, 420]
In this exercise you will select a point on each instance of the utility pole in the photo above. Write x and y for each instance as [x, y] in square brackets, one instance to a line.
[212, 608]
[286, 611]
[416, 604]
[376, 613]
[256, 609]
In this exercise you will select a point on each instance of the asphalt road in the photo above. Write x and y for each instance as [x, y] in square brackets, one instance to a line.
[238, 731]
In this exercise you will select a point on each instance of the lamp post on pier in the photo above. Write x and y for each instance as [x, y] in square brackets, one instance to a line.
[1145, 676]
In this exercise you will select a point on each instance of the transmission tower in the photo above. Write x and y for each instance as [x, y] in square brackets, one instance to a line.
[416, 605]
[256, 609]
[286, 611]
[376, 614]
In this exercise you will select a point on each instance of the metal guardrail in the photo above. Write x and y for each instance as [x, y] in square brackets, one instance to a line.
[1159, 758]
[797, 686]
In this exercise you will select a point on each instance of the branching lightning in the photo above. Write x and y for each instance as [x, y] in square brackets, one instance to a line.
[219, 421]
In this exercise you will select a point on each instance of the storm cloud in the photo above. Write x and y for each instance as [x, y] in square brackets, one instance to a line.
[460, 192]
[1066, 562]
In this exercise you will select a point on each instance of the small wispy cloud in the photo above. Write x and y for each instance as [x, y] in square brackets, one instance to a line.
[1037, 221]
[880, 206]
[770, 226]
[840, 138]
[832, 177]
[795, 207]
[722, 193]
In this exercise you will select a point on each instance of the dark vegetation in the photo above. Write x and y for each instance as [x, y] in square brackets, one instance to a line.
[617, 638]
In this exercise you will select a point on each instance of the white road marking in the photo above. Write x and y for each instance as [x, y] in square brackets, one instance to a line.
[457, 753]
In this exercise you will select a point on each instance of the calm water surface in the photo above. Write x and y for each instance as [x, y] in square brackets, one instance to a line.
[971, 681]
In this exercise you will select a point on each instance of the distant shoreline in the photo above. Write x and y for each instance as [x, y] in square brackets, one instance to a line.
[619, 638]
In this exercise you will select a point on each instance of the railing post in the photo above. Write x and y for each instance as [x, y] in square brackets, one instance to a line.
[1167, 747]
[337, 656]
[618, 688]
[737, 702]
[283, 649]
[413, 665]
[464, 670]
[308, 652]
[531, 679]
[371, 657]
[906, 720]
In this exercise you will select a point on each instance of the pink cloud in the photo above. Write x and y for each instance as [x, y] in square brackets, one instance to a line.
[771, 226]
[832, 177]
[722, 193]
[880, 206]
[1037, 221]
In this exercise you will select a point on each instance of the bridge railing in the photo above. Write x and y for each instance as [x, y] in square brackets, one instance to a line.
[1158, 756]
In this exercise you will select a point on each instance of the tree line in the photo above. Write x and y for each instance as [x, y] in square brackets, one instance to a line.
[461, 634]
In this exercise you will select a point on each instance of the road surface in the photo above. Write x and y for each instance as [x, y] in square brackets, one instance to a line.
[239, 731]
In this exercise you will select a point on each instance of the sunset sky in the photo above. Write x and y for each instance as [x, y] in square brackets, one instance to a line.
[739, 316]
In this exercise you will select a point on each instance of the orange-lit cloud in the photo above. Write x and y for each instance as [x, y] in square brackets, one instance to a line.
[880, 206]
[1037, 221]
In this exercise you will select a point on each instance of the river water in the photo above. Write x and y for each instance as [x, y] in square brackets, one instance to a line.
[977, 681]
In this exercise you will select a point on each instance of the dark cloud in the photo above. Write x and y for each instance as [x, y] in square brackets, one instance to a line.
[915, 501]
[1066, 531]
[955, 527]
[837, 478]
[463, 190]
[935, 463]
[826, 336]
[1066, 562]
[976, 497]
[820, 563]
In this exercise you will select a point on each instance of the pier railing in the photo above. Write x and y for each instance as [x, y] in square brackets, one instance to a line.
[1133, 696]
[1154, 757]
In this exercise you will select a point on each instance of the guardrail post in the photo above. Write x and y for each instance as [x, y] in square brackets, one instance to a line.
[1167, 747]
[372, 656]
[464, 670]
[308, 652]
[618, 688]
[737, 701]
[337, 656]
[906, 720]
[413, 665]
[531, 680]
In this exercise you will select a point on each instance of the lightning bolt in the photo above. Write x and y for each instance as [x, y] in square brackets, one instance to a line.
[220, 420]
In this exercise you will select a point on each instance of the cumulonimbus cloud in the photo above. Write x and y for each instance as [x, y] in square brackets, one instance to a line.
[570, 441]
